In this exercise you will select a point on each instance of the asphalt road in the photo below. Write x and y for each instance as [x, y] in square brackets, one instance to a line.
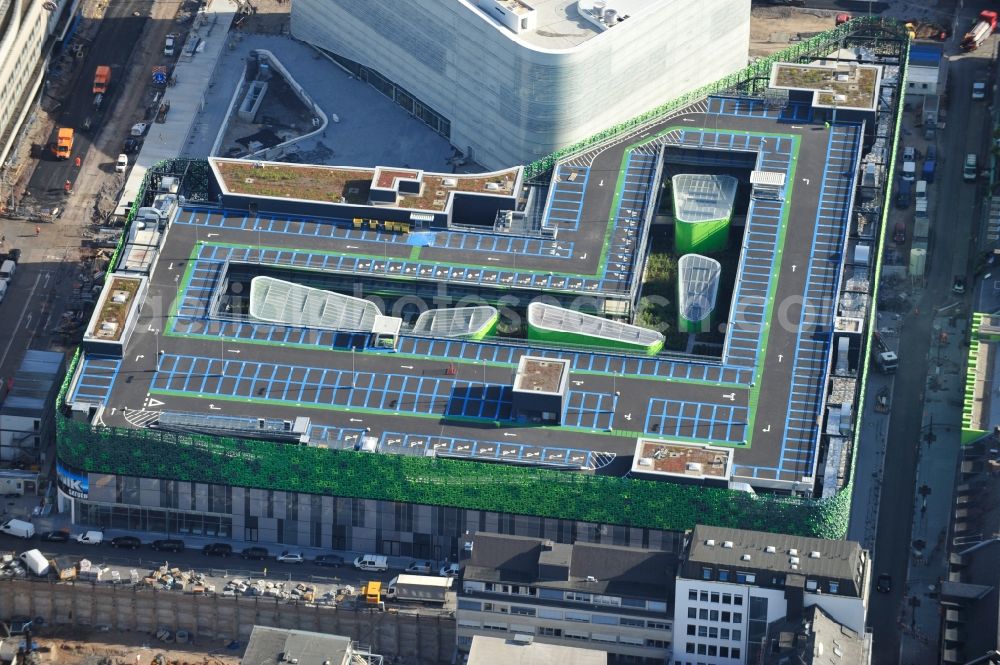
[119, 31]
[949, 256]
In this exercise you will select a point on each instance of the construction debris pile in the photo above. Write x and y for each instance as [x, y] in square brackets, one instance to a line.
[166, 578]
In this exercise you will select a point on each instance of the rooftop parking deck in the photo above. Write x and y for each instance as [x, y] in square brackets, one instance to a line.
[762, 398]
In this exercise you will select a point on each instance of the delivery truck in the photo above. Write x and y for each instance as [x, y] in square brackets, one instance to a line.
[418, 588]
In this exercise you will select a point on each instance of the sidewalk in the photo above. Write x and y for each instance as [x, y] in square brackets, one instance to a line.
[937, 454]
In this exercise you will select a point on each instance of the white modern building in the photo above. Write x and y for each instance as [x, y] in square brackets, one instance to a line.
[737, 591]
[510, 81]
[25, 25]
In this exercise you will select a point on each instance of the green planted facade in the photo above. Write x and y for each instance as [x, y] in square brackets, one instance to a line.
[978, 339]
[150, 453]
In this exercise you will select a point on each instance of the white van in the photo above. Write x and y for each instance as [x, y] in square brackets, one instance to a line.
[7, 269]
[90, 538]
[36, 562]
[921, 189]
[971, 169]
[168, 45]
[18, 528]
[372, 562]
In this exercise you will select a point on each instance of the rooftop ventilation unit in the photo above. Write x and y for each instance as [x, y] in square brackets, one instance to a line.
[794, 561]
[710, 542]
[745, 557]
[770, 549]
[793, 552]
[814, 555]
[728, 544]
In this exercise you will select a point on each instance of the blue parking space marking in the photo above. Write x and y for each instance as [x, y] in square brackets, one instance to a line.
[323, 387]
[756, 268]
[96, 376]
[628, 223]
[814, 335]
[758, 108]
[481, 402]
[422, 445]
[700, 421]
[595, 411]
[199, 283]
[192, 320]
[343, 229]
[565, 204]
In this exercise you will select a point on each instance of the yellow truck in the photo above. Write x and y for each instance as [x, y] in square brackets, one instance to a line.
[372, 593]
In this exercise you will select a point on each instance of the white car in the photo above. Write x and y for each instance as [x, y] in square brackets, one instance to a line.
[420, 567]
[139, 129]
[122, 164]
[979, 90]
[448, 570]
[291, 557]
[168, 45]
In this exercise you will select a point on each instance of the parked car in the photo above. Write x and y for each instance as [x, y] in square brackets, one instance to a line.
[958, 285]
[899, 233]
[420, 567]
[167, 545]
[909, 154]
[291, 557]
[904, 194]
[978, 90]
[217, 549]
[55, 536]
[884, 583]
[128, 542]
[329, 560]
[255, 553]
[122, 164]
[132, 145]
[449, 570]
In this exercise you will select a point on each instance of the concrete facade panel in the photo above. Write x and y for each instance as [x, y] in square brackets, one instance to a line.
[510, 102]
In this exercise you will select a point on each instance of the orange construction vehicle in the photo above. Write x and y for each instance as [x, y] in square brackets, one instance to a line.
[980, 30]
[102, 79]
[64, 143]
